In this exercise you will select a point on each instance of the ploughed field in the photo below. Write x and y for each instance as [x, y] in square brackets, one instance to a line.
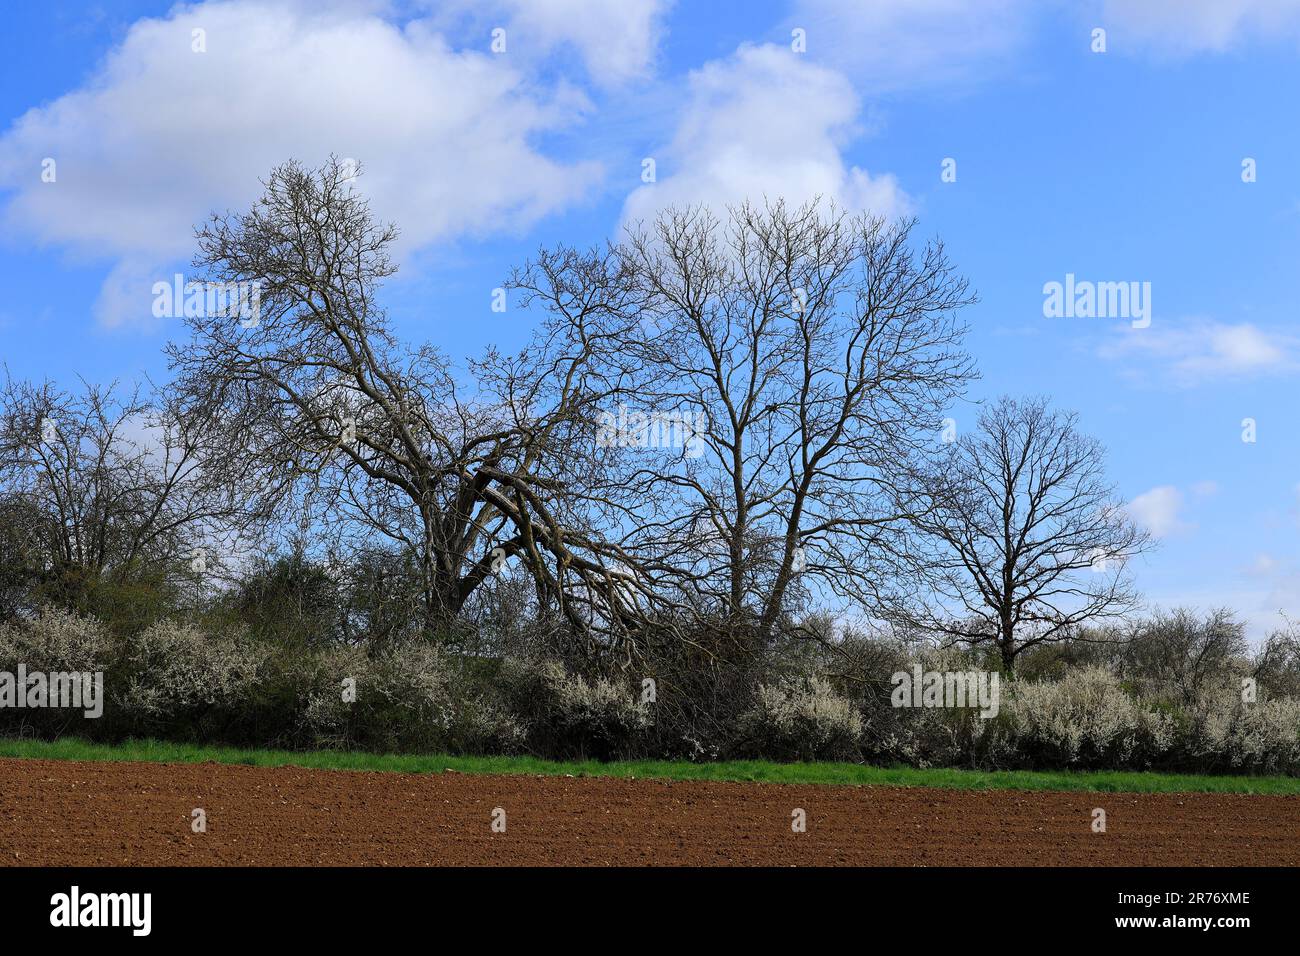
[63, 812]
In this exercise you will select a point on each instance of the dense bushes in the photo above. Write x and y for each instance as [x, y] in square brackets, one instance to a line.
[568, 716]
[174, 680]
[1091, 706]
[55, 641]
[800, 720]
[1229, 736]
[173, 676]
[407, 696]
[1084, 720]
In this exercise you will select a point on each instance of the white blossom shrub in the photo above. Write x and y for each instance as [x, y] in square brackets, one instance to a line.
[1086, 719]
[55, 640]
[924, 736]
[174, 680]
[323, 682]
[1230, 736]
[565, 714]
[800, 719]
[408, 697]
[483, 726]
[173, 668]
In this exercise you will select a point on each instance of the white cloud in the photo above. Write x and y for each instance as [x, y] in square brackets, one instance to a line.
[765, 122]
[125, 296]
[1158, 510]
[893, 44]
[616, 41]
[1194, 352]
[162, 135]
[1185, 27]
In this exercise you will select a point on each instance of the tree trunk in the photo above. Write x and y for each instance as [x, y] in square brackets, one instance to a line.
[1007, 643]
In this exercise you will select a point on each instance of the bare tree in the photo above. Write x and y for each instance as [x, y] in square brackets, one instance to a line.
[1181, 654]
[806, 353]
[1276, 663]
[104, 487]
[556, 391]
[363, 436]
[1020, 539]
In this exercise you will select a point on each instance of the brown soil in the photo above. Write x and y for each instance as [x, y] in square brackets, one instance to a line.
[71, 813]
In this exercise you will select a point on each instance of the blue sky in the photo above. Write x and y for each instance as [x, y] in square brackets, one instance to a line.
[1117, 166]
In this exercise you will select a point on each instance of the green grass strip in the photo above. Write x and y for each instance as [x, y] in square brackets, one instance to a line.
[754, 771]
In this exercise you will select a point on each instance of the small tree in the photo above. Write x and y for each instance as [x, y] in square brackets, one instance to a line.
[1276, 663]
[1020, 540]
[104, 500]
[1181, 654]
